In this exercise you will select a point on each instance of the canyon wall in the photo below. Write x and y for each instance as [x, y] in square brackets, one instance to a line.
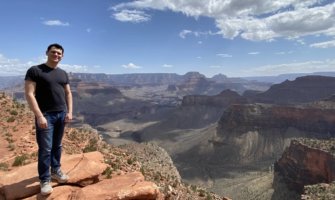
[302, 165]
[258, 132]
[301, 90]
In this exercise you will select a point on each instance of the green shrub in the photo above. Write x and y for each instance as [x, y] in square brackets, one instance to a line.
[13, 112]
[142, 170]
[202, 193]
[130, 161]
[3, 166]
[11, 119]
[20, 160]
[92, 146]
[193, 188]
[115, 166]
[11, 146]
[209, 197]
[157, 176]
[108, 172]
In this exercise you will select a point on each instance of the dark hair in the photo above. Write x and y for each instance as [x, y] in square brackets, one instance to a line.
[57, 46]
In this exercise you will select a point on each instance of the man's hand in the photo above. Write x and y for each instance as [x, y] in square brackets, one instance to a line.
[42, 122]
[68, 117]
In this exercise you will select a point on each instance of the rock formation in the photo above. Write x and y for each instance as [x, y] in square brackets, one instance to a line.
[224, 99]
[253, 117]
[302, 165]
[195, 83]
[85, 182]
[106, 172]
[301, 90]
[130, 79]
[256, 132]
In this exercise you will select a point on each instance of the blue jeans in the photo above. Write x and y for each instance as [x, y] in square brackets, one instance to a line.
[49, 141]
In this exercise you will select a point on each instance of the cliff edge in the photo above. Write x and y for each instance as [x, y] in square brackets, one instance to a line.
[306, 164]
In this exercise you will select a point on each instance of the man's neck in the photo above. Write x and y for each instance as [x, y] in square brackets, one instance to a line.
[52, 65]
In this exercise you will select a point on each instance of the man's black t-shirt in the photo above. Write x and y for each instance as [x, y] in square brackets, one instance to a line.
[50, 93]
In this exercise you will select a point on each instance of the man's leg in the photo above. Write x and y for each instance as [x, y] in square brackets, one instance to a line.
[56, 151]
[44, 139]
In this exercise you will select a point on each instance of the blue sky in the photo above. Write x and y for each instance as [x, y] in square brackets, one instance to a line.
[231, 37]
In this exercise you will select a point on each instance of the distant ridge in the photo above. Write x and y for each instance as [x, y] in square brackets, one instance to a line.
[301, 90]
[283, 77]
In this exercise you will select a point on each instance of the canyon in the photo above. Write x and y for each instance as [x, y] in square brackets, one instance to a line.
[228, 135]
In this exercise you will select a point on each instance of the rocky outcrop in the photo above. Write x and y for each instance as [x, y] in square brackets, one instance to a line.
[89, 77]
[130, 79]
[301, 90]
[171, 88]
[10, 81]
[256, 132]
[146, 79]
[319, 191]
[220, 78]
[85, 181]
[105, 91]
[254, 117]
[302, 165]
[97, 88]
[194, 81]
[224, 99]
[18, 148]
[129, 186]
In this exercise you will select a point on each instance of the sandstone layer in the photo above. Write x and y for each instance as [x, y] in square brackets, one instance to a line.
[302, 165]
[85, 182]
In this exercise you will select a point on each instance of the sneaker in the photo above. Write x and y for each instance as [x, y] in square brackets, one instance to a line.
[46, 188]
[59, 176]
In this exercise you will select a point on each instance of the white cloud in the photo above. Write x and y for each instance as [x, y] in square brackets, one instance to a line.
[184, 33]
[131, 66]
[56, 23]
[253, 53]
[135, 16]
[13, 66]
[284, 52]
[74, 68]
[296, 67]
[252, 20]
[300, 41]
[167, 66]
[223, 55]
[324, 45]
[9, 66]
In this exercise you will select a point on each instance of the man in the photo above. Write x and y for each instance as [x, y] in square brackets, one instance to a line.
[48, 94]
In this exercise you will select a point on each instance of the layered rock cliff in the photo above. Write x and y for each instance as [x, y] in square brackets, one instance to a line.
[256, 132]
[196, 83]
[224, 99]
[301, 90]
[304, 163]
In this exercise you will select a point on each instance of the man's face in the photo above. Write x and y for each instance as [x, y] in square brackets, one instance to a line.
[55, 55]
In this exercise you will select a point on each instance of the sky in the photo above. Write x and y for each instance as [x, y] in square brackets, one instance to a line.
[237, 38]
